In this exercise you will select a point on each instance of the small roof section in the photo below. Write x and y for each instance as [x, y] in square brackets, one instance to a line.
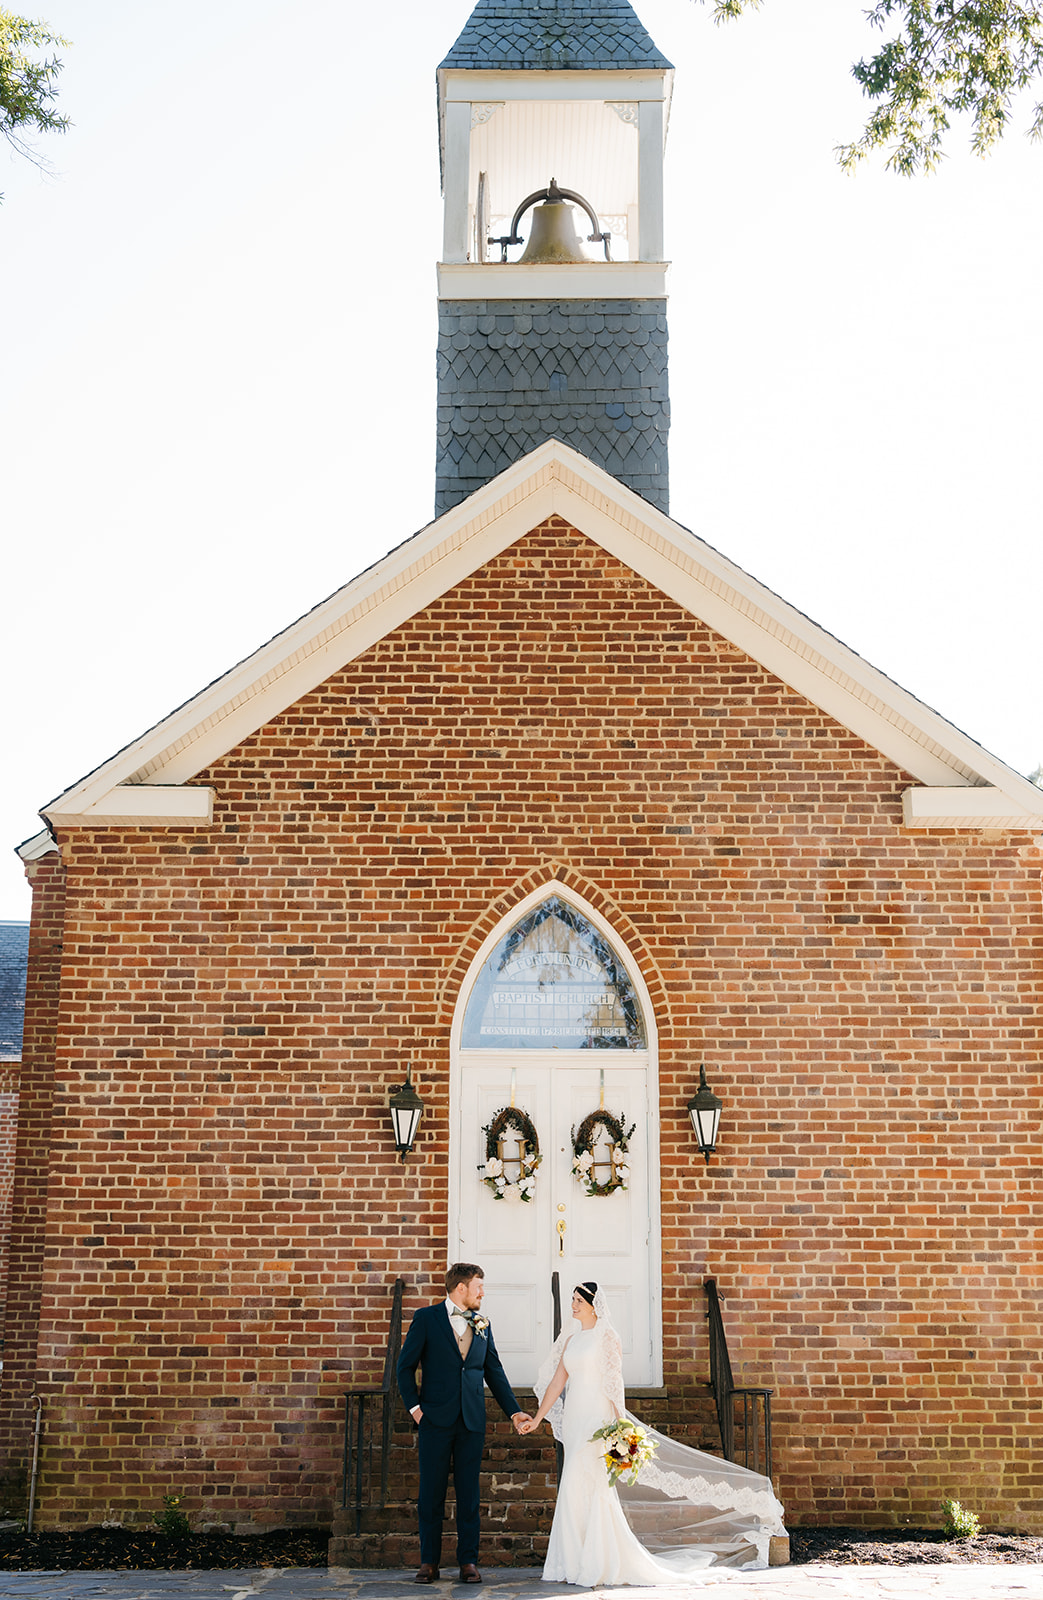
[541, 35]
[14, 959]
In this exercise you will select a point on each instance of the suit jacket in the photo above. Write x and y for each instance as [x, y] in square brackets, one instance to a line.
[451, 1388]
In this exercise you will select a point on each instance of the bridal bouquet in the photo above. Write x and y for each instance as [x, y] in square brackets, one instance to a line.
[628, 1448]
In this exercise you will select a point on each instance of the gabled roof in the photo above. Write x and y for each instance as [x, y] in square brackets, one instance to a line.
[149, 782]
[568, 35]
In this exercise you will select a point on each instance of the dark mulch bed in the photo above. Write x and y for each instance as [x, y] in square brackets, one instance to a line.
[144, 1549]
[907, 1546]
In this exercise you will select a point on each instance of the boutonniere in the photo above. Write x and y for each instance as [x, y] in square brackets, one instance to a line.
[480, 1326]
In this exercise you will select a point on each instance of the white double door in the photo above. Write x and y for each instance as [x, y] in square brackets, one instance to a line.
[613, 1239]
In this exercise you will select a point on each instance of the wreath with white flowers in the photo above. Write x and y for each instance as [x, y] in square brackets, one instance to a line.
[583, 1141]
[492, 1169]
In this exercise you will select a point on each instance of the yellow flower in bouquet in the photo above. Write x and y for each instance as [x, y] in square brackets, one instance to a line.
[627, 1449]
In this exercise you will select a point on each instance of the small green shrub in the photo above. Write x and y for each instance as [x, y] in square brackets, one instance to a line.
[172, 1520]
[959, 1524]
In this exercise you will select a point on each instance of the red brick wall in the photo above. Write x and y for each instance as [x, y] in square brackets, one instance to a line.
[226, 1212]
[28, 1198]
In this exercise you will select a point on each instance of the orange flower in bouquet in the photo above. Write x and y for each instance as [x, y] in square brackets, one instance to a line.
[627, 1447]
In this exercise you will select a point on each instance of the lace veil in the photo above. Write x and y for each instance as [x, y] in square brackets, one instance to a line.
[609, 1356]
[684, 1501]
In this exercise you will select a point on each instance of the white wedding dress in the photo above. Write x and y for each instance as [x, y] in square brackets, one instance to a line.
[694, 1512]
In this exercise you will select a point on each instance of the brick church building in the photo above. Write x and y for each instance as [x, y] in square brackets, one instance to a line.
[550, 809]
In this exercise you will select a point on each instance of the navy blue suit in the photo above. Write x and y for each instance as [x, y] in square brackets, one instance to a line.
[452, 1428]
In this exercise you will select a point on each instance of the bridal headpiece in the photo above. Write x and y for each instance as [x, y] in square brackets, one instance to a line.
[609, 1355]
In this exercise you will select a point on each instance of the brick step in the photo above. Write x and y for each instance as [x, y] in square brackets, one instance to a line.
[520, 1502]
[528, 1513]
[525, 1506]
[394, 1550]
[518, 1488]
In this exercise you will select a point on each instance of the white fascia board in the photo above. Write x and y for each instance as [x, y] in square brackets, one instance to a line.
[150, 804]
[551, 479]
[966, 808]
[590, 280]
[486, 85]
[41, 844]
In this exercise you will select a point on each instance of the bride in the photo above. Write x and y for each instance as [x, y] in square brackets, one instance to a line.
[687, 1511]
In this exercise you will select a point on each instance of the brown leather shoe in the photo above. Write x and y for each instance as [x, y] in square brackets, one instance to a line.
[469, 1573]
[427, 1573]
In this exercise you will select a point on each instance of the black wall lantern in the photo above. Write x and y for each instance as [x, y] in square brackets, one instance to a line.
[704, 1108]
[406, 1109]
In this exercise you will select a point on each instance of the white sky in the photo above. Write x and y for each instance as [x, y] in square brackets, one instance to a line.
[218, 358]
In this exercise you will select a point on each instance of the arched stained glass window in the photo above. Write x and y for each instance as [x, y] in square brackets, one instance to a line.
[553, 983]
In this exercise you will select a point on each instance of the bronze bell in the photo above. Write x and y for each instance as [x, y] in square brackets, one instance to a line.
[553, 238]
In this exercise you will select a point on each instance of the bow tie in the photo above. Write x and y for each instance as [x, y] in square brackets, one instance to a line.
[467, 1315]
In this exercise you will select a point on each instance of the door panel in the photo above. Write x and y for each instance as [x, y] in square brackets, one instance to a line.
[607, 1237]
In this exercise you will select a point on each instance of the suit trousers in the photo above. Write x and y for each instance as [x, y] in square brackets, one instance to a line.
[441, 1449]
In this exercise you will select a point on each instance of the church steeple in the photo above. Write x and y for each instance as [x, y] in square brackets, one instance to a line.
[554, 35]
[532, 92]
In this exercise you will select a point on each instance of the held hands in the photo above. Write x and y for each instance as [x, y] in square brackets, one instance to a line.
[550, 1394]
[523, 1423]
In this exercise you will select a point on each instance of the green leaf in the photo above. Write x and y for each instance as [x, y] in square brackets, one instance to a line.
[940, 59]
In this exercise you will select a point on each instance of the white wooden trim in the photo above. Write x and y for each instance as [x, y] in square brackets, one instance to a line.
[455, 180]
[650, 180]
[41, 844]
[975, 807]
[590, 280]
[651, 83]
[141, 802]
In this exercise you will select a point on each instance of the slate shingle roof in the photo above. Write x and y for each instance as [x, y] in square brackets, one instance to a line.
[534, 35]
[14, 956]
[512, 373]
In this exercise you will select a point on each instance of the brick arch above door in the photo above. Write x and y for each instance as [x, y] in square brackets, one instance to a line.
[548, 874]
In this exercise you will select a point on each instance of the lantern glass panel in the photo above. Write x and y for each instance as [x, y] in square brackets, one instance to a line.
[406, 1120]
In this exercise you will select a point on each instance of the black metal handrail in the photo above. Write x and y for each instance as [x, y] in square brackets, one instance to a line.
[358, 1456]
[555, 1297]
[756, 1403]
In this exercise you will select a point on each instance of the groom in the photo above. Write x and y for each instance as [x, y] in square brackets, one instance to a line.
[453, 1344]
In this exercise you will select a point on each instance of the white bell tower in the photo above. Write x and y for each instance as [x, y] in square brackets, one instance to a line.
[539, 100]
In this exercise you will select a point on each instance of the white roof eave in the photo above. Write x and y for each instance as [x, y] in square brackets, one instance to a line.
[553, 479]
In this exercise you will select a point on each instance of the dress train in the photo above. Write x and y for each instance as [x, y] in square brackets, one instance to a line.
[688, 1515]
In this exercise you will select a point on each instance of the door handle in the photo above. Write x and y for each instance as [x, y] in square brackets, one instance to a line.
[562, 1225]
